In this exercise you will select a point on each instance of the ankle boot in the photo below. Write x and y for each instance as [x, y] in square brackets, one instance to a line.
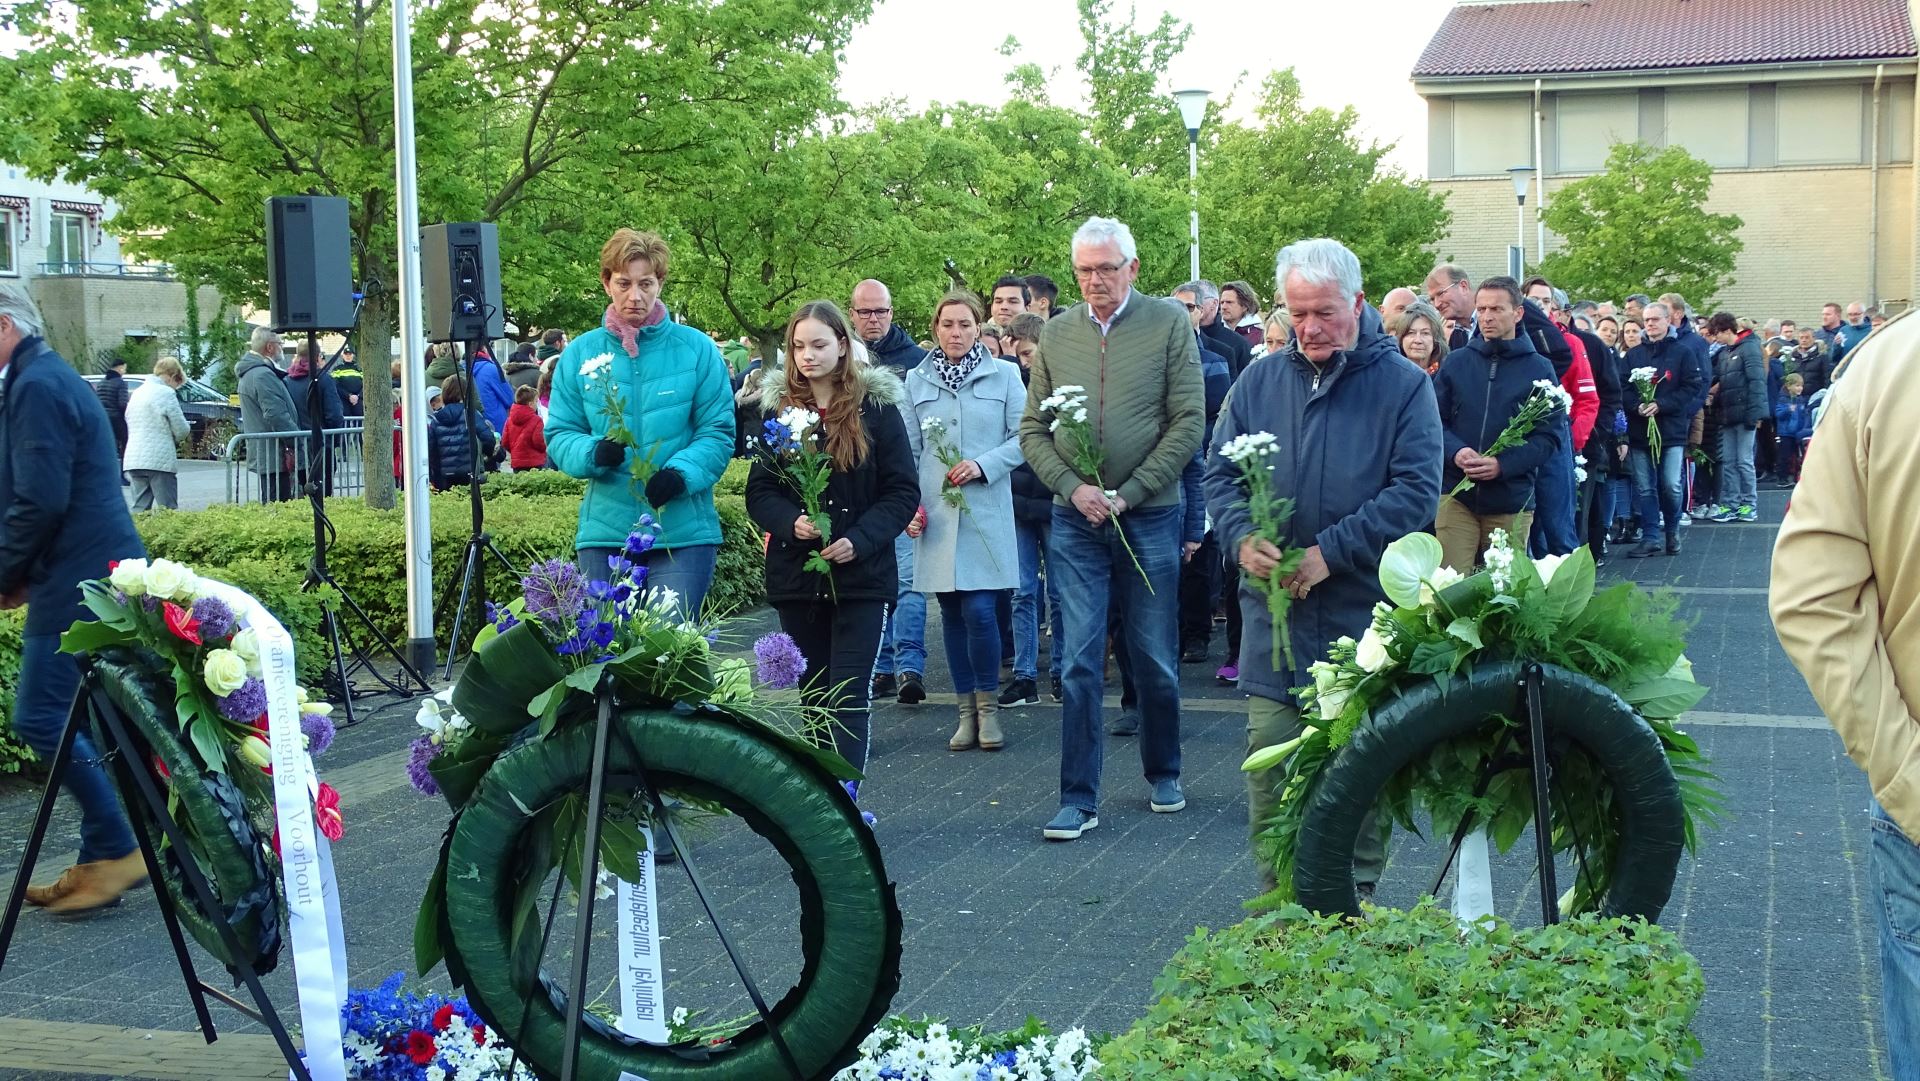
[967, 736]
[99, 885]
[988, 710]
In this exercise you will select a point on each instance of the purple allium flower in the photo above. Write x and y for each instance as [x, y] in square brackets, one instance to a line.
[216, 619]
[245, 704]
[150, 602]
[779, 663]
[555, 591]
[120, 597]
[319, 731]
[419, 753]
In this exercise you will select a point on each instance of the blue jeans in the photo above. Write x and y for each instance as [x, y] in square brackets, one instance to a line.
[972, 631]
[1094, 571]
[1893, 875]
[687, 571]
[1665, 501]
[1739, 486]
[48, 680]
[1553, 531]
[1027, 613]
[903, 639]
[1624, 505]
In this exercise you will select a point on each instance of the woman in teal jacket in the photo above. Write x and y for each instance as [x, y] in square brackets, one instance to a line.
[670, 387]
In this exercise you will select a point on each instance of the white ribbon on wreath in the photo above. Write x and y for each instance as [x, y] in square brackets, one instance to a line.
[306, 861]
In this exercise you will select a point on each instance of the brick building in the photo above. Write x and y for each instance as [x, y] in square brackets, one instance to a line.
[1805, 109]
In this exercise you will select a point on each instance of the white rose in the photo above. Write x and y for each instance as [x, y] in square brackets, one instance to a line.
[225, 671]
[247, 645]
[1441, 579]
[1371, 654]
[129, 576]
[169, 580]
[1331, 703]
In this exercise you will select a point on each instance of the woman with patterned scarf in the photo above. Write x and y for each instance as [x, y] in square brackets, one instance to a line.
[963, 417]
[672, 436]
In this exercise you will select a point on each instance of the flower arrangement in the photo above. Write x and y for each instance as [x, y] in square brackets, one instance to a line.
[1646, 381]
[1253, 453]
[598, 370]
[394, 1036]
[792, 446]
[1546, 397]
[953, 495]
[1068, 405]
[1439, 622]
[901, 1050]
[194, 641]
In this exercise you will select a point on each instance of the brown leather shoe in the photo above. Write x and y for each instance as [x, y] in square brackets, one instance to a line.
[53, 891]
[99, 885]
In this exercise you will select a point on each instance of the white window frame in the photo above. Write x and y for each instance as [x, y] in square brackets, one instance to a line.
[57, 223]
[10, 251]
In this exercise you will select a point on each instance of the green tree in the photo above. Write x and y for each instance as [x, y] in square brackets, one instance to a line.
[553, 118]
[1131, 105]
[1298, 173]
[1642, 226]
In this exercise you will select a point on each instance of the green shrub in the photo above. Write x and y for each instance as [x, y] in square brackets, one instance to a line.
[1409, 995]
[14, 755]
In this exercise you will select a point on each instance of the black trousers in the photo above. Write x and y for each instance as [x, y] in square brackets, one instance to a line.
[1199, 589]
[1230, 599]
[839, 642]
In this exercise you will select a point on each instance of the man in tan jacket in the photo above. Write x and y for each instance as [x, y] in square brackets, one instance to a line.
[1846, 605]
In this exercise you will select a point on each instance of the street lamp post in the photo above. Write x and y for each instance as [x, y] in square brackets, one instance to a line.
[1522, 175]
[1193, 109]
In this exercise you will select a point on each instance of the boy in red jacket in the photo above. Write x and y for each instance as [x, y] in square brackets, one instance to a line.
[526, 434]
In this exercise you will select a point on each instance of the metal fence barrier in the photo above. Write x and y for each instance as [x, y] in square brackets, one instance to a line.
[341, 467]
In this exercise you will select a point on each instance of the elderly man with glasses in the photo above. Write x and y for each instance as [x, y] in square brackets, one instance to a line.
[1137, 364]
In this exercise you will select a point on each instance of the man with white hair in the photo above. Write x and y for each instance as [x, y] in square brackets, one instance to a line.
[267, 406]
[1359, 454]
[62, 522]
[1134, 361]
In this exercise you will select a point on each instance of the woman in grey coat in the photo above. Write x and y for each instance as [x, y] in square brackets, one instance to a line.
[963, 419]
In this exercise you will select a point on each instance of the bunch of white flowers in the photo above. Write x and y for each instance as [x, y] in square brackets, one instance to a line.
[1251, 445]
[1555, 391]
[1641, 375]
[798, 420]
[1500, 561]
[893, 1052]
[442, 722]
[594, 367]
[161, 579]
[1066, 403]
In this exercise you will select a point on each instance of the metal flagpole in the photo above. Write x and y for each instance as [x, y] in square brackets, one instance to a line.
[413, 367]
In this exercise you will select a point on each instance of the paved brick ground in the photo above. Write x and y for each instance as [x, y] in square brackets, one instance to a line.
[1000, 924]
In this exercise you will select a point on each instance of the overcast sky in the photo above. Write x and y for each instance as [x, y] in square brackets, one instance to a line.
[1346, 52]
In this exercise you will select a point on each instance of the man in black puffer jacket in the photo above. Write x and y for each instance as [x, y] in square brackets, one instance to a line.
[1480, 387]
[1740, 404]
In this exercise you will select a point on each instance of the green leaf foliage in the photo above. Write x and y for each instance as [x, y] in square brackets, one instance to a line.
[1642, 226]
[1411, 996]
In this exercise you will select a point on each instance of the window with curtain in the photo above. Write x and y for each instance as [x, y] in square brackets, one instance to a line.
[67, 241]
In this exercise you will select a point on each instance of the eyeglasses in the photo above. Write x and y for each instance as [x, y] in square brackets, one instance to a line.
[872, 313]
[1191, 306]
[1103, 270]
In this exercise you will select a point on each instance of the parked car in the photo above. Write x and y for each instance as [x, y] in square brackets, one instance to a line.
[205, 408]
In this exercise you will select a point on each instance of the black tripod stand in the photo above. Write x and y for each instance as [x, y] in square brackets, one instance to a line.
[319, 474]
[479, 541]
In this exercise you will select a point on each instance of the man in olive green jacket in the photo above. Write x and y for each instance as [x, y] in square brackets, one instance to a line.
[1129, 368]
[1845, 600]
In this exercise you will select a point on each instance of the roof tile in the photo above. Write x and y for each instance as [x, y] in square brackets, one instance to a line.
[1553, 36]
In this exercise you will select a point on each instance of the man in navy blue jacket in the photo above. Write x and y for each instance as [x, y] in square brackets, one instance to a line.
[1480, 387]
[62, 522]
[1358, 451]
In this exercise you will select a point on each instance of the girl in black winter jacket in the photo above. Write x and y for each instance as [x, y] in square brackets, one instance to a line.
[871, 494]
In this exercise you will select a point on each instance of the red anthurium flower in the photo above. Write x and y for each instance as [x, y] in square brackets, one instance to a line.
[420, 1047]
[326, 813]
[181, 622]
[160, 769]
[443, 1017]
[276, 840]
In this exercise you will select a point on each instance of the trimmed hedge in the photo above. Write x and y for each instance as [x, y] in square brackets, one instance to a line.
[265, 549]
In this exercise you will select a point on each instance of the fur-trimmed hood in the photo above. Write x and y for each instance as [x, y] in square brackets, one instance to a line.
[878, 385]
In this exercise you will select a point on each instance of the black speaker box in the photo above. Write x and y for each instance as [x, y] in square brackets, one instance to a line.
[460, 278]
[309, 263]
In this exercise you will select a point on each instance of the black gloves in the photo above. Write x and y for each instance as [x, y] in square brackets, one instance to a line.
[665, 487]
[608, 453]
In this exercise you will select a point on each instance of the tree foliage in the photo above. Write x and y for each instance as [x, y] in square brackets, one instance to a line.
[1297, 173]
[1642, 227]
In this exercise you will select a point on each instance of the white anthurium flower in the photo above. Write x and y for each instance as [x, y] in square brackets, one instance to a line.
[1546, 565]
[1371, 654]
